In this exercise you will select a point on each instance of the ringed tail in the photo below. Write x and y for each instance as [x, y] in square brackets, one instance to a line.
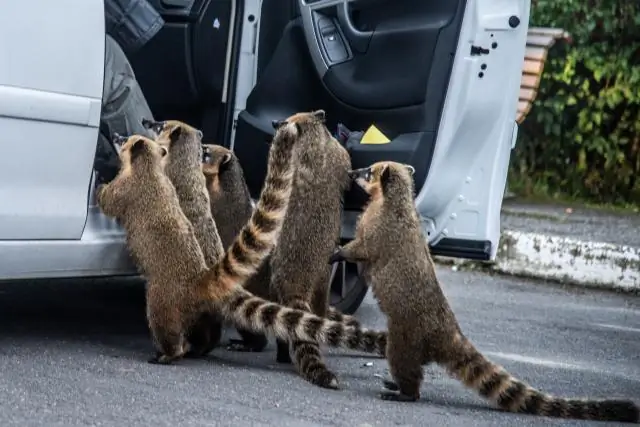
[377, 343]
[258, 236]
[494, 383]
[258, 315]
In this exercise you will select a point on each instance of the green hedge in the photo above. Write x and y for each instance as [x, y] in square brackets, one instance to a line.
[582, 137]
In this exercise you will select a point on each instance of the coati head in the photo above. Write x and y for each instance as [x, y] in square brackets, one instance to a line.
[169, 131]
[137, 148]
[216, 160]
[383, 177]
[302, 122]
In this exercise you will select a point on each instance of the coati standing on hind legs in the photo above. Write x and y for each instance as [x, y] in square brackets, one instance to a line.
[183, 167]
[422, 328]
[296, 273]
[231, 208]
[228, 193]
[180, 286]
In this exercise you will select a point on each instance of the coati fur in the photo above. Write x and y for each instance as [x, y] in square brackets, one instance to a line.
[228, 193]
[297, 274]
[180, 285]
[231, 208]
[183, 167]
[422, 328]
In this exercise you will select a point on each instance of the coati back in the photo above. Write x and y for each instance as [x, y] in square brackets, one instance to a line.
[228, 193]
[180, 286]
[297, 274]
[183, 167]
[422, 328]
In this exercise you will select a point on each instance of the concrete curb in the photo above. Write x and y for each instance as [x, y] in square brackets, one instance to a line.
[567, 260]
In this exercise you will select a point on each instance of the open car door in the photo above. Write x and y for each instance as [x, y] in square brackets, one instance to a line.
[439, 78]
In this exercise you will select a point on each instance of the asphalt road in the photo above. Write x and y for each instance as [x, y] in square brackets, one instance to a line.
[582, 223]
[74, 353]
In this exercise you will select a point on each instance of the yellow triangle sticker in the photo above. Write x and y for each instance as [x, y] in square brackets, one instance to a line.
[374, 136]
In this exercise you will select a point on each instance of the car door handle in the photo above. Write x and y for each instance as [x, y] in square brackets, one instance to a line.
[358, 40]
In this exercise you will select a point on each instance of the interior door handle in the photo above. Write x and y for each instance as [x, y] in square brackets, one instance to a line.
[358, 40]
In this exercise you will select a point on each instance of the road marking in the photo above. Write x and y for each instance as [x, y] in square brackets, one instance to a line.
[536, 361]
[618, 327]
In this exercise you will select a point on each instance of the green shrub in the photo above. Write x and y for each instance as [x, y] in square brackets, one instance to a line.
[582, 136]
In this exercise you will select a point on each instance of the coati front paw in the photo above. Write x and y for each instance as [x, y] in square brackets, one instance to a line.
[336, 256]
[397, 397]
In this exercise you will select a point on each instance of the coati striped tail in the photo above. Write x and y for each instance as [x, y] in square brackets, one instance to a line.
[373, 342]
[258, 237]
[258, 315]
[494, 383]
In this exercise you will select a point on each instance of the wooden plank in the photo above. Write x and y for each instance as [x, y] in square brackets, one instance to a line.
[556, 33]
[527, 94]
[542, 41]
[523, 110]
[533, 67]
[536, 53]
[530, 81]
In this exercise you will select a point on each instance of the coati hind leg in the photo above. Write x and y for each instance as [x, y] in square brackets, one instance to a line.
[204, 335]
[404, 358]
[250, 342]
[170, 342]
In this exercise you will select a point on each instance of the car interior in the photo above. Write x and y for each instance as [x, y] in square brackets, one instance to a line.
[382, 62]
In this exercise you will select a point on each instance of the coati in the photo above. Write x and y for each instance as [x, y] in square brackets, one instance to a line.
[180, 286]
[228, 193]
[183, 167]
[297, 274]
[231, 208]
[422, 328]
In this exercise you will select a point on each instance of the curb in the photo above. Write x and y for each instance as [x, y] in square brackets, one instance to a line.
[566, 260]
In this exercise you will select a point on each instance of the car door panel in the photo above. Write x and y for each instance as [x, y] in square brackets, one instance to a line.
[51, 82]
[181, 70]
[439, 79]
[410, 119]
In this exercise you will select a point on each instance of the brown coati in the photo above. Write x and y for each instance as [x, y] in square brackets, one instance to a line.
[231, 208]
[422, 328]
[183, 167]
[297, 274]
[180, 286]
[228, 193]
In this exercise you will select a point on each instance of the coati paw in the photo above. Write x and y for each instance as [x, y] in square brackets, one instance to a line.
[390, 385]
[336, 256]
[397, 397]
[327, 379]
[160, 359]
[242, 346]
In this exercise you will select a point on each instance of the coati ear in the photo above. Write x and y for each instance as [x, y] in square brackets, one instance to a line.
[298, 128]
[385, 173]
[200, 134]
[319, 115]
[175, 134]
[163, 151]
[411, 169]
[225, 162]
[137, 148]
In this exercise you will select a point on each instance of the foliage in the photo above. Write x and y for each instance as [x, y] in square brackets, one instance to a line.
[582, 135]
